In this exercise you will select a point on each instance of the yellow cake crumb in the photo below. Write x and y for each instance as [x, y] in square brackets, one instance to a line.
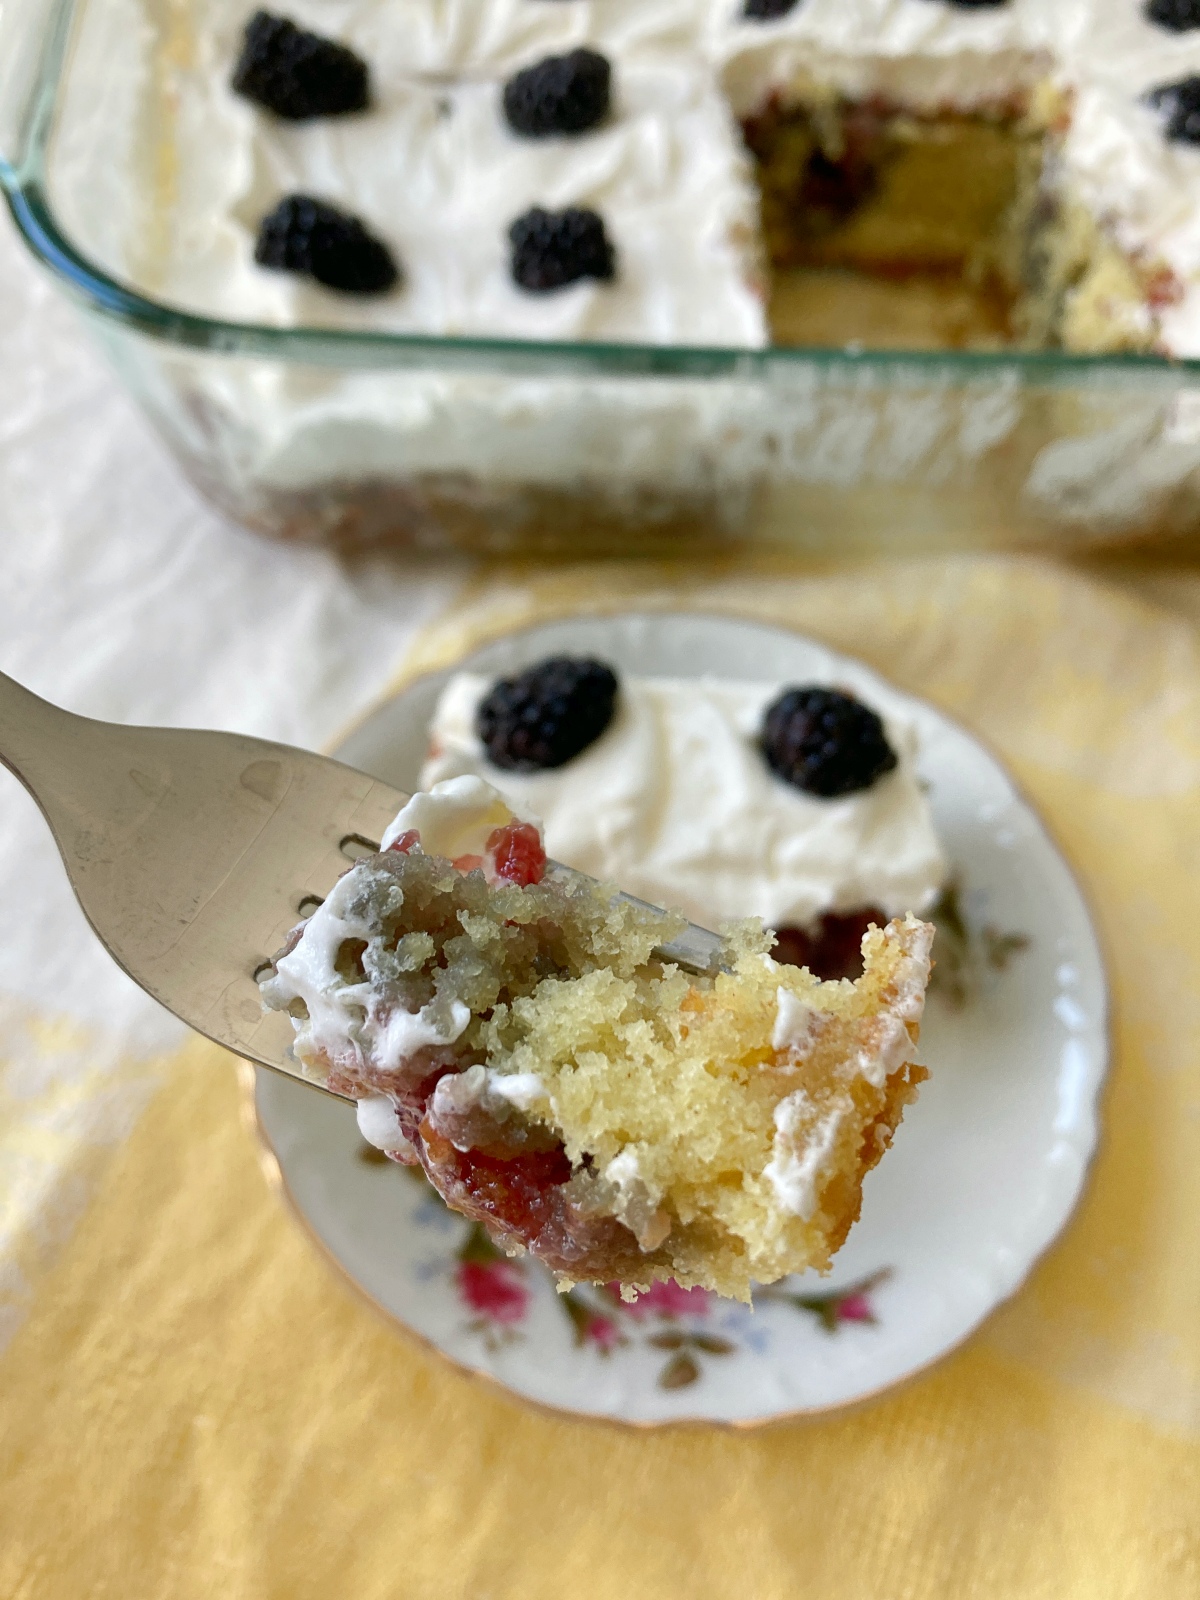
[680, 1088]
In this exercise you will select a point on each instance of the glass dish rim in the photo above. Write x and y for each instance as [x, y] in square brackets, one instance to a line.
[99, 291]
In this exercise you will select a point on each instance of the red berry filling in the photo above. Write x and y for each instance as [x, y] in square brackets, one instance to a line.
[527, 1201]
[516, 853]
[405, 841]
[522, 1199]
[831, 950]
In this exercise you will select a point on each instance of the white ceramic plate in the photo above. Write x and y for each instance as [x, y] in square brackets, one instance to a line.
[985, 1169]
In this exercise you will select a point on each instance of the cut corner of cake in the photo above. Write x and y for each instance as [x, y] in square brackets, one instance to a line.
[516, 1034]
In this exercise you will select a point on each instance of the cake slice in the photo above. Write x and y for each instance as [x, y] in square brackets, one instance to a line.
[515, 1034]
[795, 802]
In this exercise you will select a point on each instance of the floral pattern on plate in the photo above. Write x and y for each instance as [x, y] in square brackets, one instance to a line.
[496, 1293]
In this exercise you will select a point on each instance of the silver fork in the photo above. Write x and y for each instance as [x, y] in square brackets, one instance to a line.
[194, 854]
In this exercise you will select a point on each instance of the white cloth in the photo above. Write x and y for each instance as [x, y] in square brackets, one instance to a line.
[123, 595]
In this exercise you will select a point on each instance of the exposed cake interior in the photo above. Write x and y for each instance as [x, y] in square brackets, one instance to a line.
[619, 1118]
[901, 227]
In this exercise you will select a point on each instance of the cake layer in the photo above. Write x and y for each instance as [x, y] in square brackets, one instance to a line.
[890, 193]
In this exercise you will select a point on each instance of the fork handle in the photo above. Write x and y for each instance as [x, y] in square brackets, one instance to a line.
[76, 768]
[30, 733]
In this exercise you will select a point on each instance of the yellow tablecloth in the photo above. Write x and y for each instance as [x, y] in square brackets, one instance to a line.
[192, 1404]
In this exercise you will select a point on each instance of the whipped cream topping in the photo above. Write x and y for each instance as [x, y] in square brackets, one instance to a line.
[343, 1023]
[522, 1090]
[917, 52]
[379, 1124]
[482, 1088]
[455, 818]
[697, 439]
[433, 170]
[675, 803]
[804, 1143]
[796, 1024]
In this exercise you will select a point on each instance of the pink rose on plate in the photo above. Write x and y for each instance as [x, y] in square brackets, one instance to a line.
[668, 1299]
[602, 1332]
[855, 1308]
[494, 1289]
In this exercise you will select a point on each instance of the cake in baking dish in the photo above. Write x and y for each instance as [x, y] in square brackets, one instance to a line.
[622, 1120]
[727, 172]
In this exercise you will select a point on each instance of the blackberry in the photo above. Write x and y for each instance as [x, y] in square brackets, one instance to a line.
[297, 74]
[547, 714]
[553, 248]
[562, 94]
[825, 742]
[1180, 105]
[316, 240]
[1177, 16]
[767, 10]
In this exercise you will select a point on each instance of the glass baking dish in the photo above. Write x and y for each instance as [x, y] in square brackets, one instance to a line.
[361, 438]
